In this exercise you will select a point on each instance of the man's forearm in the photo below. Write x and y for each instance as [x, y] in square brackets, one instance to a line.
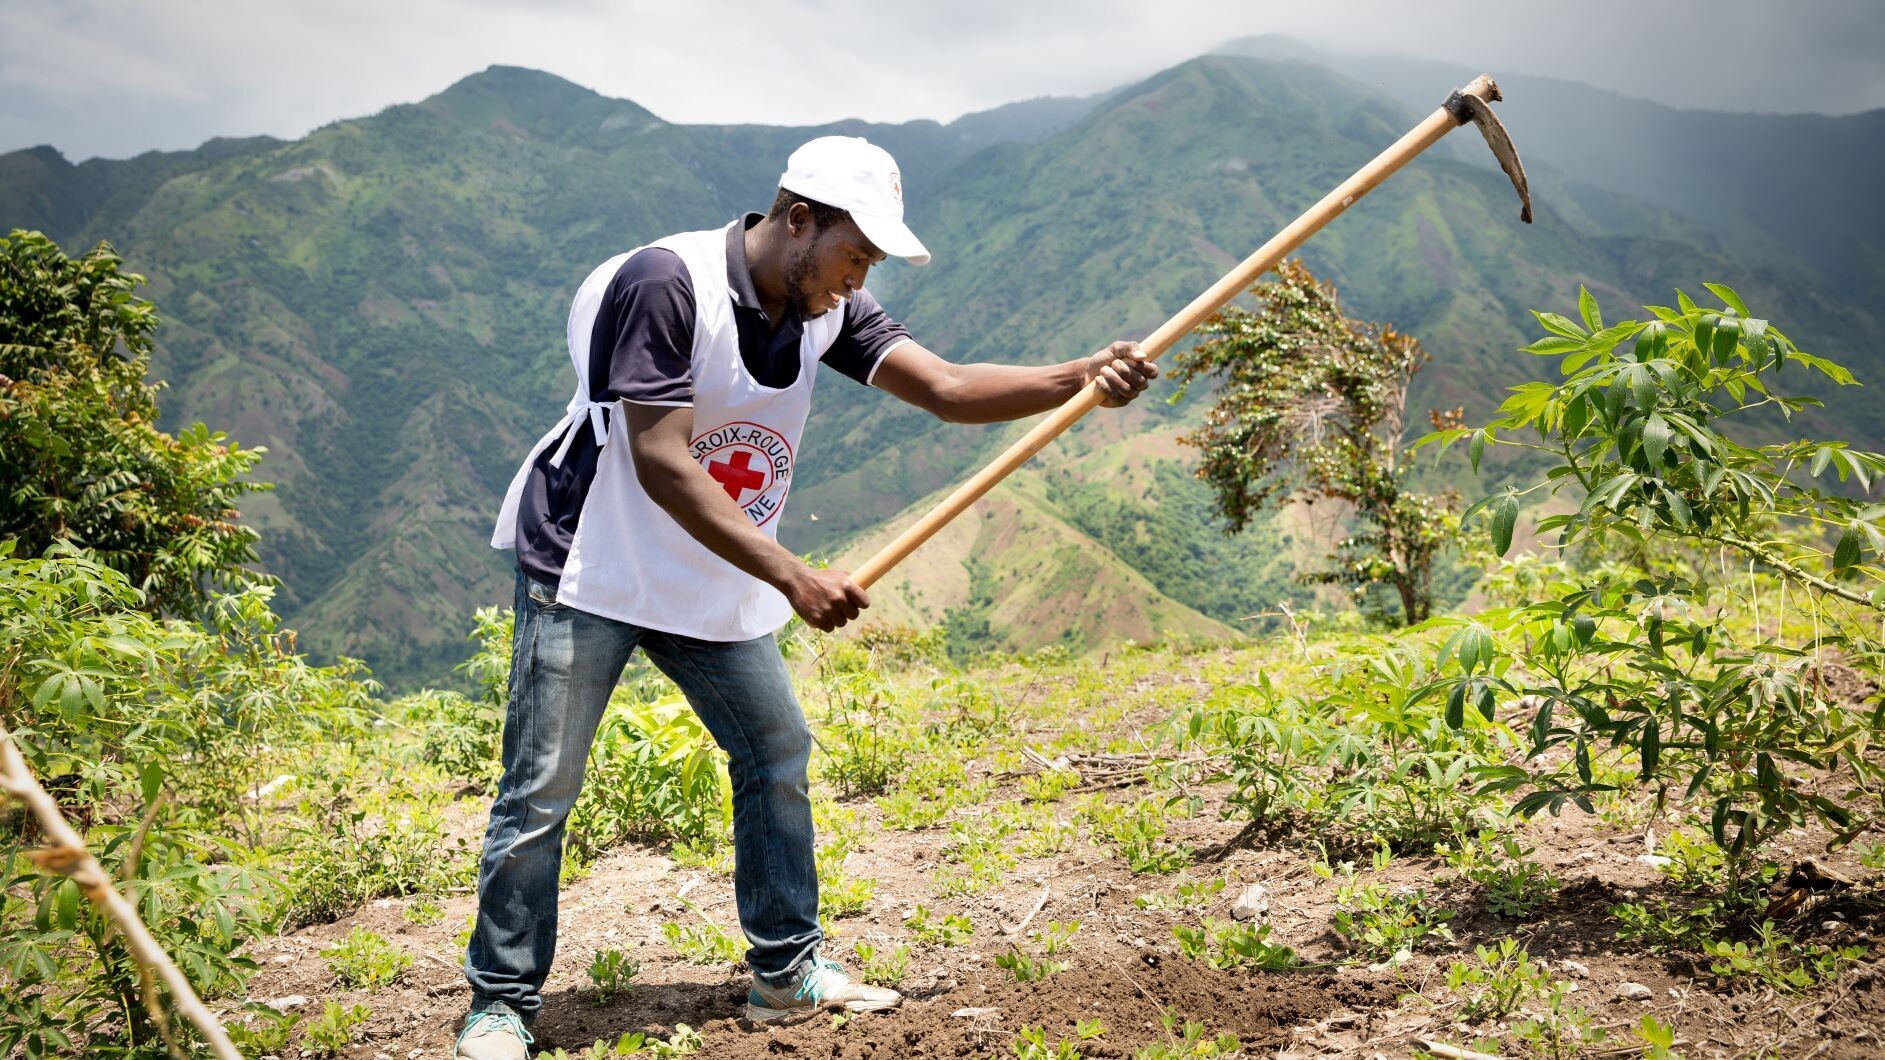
[703, 509]
[992, 393]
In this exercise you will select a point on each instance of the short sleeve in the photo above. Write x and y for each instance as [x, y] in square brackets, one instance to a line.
[645, 330]
[869, 333]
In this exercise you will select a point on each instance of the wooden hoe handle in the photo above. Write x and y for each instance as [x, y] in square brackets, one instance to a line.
[1442, 121]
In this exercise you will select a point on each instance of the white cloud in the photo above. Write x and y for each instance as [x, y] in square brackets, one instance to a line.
[93, 77]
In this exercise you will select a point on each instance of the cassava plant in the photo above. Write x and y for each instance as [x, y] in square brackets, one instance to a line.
[1310, 405]
[1713, 685]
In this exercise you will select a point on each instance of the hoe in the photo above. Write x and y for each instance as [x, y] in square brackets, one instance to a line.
[1466, 105]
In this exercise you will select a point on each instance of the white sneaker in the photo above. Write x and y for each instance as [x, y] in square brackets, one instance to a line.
[821, 984]
[493, 1036]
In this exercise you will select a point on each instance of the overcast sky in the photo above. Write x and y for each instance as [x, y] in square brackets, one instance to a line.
[116, 77]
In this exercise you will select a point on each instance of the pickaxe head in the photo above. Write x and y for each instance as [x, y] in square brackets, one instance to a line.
[1473, 103]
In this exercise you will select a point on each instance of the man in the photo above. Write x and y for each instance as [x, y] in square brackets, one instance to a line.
[647, 518]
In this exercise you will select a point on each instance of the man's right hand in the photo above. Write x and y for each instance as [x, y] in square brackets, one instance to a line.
[825, 599]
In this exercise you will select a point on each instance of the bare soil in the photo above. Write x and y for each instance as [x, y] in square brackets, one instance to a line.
[1126, 966]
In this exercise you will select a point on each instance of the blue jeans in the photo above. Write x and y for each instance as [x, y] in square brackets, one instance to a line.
[564, 663]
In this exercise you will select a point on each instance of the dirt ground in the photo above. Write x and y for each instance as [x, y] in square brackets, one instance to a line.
[1126, 968]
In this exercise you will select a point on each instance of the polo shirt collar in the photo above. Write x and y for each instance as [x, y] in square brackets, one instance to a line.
[739, 277]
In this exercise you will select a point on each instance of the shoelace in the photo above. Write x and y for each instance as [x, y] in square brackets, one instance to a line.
[504, 1020]
[810, 986]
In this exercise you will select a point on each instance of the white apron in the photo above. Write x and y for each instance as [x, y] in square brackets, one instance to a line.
[630, 560]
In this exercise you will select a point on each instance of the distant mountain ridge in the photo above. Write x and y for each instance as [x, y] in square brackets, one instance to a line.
[381, 303]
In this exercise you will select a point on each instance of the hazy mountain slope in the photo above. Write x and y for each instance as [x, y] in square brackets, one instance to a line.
[1804, 184]
[382, 303]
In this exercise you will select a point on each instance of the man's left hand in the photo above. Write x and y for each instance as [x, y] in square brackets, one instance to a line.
[1122, 372]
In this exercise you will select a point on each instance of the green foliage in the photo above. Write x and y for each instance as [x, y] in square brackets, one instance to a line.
[882, 967]
[1311, 405]
[704, 943]
[455, 734]
[1029, 969]
[364, 960]
[81, 459]
[1562, 1030]
[1364, 750]
[1188, 894]
[1187, 1042]
[1234, 945]
[685, 1041]
[345, 855]
[335, 1029]
[1650, 658]
[952, 929]
[153, 733]
[1382, 924]
[613, 972]
[1512, 884]
[654, 773]
[1498, 983]
[1031, 1044]
[1777, 960]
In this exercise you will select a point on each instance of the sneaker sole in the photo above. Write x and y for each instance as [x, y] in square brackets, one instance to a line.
[762, 1014]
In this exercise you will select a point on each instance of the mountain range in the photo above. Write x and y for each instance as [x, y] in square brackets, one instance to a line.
[381, 302]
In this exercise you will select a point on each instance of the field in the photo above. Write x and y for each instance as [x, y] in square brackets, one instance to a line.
[1049, 867]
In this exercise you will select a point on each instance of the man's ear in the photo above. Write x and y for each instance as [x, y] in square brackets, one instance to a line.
[799, 220]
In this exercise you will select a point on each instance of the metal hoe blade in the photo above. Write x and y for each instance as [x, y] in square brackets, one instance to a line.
[1466, 107]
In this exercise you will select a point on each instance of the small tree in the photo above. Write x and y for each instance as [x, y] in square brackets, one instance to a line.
[1310, 405]
[81, 458]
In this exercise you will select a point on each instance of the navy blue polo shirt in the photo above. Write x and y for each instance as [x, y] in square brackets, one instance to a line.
[641, 351]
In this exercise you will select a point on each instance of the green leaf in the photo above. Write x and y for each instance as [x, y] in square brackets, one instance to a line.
[1476, 448]
[1552, 345]
[1456, 706]
[1504, 518]
[1729, 298]
[1560, 325]
[1655, 439]
[1587, 308]
[1851, 546]
[1652, 748]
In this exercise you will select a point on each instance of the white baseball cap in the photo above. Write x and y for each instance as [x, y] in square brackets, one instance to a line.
[855, 175]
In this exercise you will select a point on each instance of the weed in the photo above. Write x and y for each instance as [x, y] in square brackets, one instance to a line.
[704, 943]
[1234, 945]
[1026, 969]
[685, 1041]
[265, 1033]
[1503, 979]
[952, 929]
[1057, 937]
[1048, 786]
[839, 895]
[1188, 895]
[333, 1032]
[1778, 961]
[1031, 1044]
[1562, 1030]
[1872, 855]
[908, 811]
[1658, 1038]
[613, 974]
[423, 912]
[882, 968]
[709, 853]
[365, 960]
[1385, 925]
[1187, 1042]
[1511, 884]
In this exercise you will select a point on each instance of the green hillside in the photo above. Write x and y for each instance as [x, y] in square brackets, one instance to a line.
[381, 304]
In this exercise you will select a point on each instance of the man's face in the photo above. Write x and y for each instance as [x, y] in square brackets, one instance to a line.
[825, 264]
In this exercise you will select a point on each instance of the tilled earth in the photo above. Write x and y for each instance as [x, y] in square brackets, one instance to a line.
[1126, 968]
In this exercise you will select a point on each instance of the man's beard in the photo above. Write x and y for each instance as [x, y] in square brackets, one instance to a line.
[799, 265]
